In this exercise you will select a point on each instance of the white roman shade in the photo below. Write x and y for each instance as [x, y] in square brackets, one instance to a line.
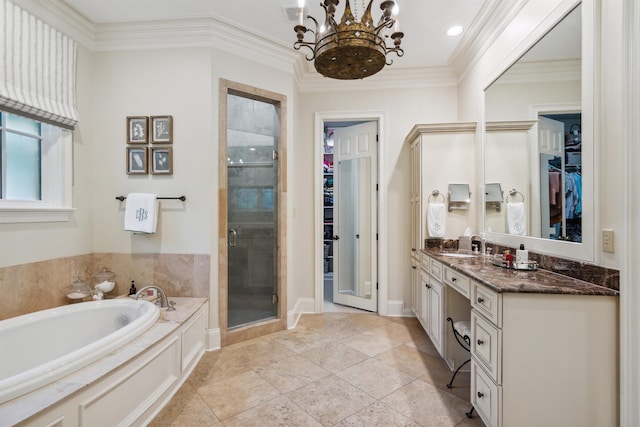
[38, 69]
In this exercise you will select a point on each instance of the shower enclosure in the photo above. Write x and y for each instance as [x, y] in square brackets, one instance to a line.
[253, 128]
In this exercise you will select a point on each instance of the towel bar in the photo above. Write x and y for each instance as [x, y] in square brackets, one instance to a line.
[183, 198]
[434, 194]
[514, 193]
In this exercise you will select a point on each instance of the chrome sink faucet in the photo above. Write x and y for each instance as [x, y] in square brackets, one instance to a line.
[477, 238]
[164, 303]
[465, 243]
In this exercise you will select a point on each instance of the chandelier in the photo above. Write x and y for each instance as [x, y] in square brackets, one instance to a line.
[352, 49]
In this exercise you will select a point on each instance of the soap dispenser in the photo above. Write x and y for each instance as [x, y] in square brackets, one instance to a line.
[522, 255]
[132, 289]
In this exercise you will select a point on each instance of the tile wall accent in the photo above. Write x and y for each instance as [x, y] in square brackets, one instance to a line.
[41, 285]
[607, 277]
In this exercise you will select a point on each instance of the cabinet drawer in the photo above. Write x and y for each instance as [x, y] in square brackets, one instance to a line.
[486, 396]
[486, 346]
[456, 280]
[487, 302]
[435, 268]
[424, 262]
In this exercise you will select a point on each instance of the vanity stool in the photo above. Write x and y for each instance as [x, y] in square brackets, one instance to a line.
[462, 332]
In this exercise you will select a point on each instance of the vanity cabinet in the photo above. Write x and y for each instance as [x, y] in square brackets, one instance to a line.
[428, 305]
[438, 153]
[543, 347]
[543, 359]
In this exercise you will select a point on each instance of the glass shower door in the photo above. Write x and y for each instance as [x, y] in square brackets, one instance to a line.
[252, 210]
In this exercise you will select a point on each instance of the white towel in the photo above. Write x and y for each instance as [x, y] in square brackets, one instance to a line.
[141, 213]
[436, 214]
[517, 218]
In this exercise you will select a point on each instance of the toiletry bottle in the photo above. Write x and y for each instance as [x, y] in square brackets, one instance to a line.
[508, 258]
[522, 255]
[132, 289]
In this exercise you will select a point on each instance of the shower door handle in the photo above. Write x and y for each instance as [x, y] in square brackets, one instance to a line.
[233, 238]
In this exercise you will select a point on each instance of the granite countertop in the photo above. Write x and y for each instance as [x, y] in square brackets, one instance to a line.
[481, 269]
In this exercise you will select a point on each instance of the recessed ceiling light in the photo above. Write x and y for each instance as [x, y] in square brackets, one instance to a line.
[455, 31]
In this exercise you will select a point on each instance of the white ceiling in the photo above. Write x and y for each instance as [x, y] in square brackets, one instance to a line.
[424, 22]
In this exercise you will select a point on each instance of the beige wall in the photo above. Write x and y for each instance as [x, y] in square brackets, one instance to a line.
[404, 108]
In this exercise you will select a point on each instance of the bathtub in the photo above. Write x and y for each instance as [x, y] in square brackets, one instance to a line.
[39, 348]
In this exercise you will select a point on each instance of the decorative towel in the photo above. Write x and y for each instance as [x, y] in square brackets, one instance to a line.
[141, 213]
[436, 214]
[517, 218]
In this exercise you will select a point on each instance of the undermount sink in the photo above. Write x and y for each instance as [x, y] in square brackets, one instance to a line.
[458, 255]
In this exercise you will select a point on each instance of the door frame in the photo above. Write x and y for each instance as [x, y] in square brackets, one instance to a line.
[319, 121]
[253, 330]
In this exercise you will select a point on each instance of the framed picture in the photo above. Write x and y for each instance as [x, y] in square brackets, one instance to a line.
[137, 129]
[162, 129]
[137, 161]
[162, 160]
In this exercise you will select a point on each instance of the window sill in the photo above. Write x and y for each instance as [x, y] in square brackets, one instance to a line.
[15, 215]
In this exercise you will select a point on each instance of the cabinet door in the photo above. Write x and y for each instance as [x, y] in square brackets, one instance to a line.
[415, 286]
[415, 199]
[424, 300]
[436, 308]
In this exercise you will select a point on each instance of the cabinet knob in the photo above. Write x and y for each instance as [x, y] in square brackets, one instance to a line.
[414, 267]
[480, 300]
[413, 249]
[480, 394]
[453, 279]
[480, 342]
[427, 286]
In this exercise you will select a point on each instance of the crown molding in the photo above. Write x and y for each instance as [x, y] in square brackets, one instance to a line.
[308, 80]
[194, 32]
[542, 71]
[491, 21]
[437, 128]
[216, 33]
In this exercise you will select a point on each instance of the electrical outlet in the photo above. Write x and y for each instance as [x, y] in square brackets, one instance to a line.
[607, 241]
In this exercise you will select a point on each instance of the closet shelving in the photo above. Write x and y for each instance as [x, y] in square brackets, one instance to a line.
[328, 211]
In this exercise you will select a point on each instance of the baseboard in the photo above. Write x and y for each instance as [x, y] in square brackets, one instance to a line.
[213, 339]
[395, 308]
[303, 305]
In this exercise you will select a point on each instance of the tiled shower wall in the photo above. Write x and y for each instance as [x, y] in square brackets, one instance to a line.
[37, 286]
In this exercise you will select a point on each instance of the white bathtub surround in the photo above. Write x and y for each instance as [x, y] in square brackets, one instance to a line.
[44, 346]
[129, 385]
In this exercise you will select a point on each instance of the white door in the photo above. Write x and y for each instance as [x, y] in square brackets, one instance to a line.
[355, 216]
[550, 147]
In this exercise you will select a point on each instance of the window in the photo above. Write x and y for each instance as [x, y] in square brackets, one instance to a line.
[35, 170]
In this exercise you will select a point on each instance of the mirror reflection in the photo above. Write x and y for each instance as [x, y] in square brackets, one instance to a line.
[533, 140]
[353, 250]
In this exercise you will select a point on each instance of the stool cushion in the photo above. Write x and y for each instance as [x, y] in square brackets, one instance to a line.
[463, 327]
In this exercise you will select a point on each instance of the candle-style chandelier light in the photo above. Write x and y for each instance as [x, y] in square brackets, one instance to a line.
[354, 48]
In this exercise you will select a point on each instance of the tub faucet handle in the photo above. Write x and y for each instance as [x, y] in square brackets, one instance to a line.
[162, 296]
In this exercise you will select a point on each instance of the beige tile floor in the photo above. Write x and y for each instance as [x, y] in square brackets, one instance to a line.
[333, 369]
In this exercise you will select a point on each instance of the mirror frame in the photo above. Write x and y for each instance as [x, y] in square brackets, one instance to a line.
[584, 251]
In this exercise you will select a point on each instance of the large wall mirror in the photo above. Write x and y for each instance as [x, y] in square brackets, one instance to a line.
[538, 145]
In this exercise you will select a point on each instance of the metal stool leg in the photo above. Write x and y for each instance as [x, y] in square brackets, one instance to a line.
[465, 342]
[456, 373]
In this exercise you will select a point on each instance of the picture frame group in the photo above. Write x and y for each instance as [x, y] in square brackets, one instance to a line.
[155, 159]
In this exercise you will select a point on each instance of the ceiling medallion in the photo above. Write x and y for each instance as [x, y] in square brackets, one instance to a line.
[353, 49]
